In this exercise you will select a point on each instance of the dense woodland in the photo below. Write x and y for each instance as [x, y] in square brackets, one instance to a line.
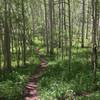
[66, 33]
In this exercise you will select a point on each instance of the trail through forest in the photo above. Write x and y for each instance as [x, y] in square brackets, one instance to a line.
[30, 91]
[49, 49]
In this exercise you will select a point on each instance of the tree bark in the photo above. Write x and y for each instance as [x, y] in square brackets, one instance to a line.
[94, 34]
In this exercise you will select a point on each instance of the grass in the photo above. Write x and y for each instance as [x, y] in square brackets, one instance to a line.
[12, 84]
[57, 81]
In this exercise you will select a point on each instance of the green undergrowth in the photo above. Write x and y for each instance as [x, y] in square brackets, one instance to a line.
[57, 80]
[12, 83]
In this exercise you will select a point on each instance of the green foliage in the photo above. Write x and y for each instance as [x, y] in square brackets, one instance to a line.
[12, 84]
[10, 90]
[57, 79]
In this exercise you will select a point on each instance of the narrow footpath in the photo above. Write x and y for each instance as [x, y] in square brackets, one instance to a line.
[30, 90]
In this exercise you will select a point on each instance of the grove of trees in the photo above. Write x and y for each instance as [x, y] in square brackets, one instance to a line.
[62, 26]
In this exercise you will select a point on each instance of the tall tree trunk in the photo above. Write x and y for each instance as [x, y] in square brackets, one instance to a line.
[94, 34]
[88, 15]
[51, 26]
[70, 34]
[46, 31]
[59, 23]
[24, 33]
[62, 30]
[83, 24]
[7, 55]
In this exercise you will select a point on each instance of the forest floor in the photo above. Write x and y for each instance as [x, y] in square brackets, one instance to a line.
[55, 82]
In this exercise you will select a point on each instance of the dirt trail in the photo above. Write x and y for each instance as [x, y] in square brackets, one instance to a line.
[30, 91]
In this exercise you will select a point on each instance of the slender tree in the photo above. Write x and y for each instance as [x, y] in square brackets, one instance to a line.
[7, 55]
[94, 34]
[51, 26]
[46, 31]
[83, 24]
[70, 34]
[24, 33]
